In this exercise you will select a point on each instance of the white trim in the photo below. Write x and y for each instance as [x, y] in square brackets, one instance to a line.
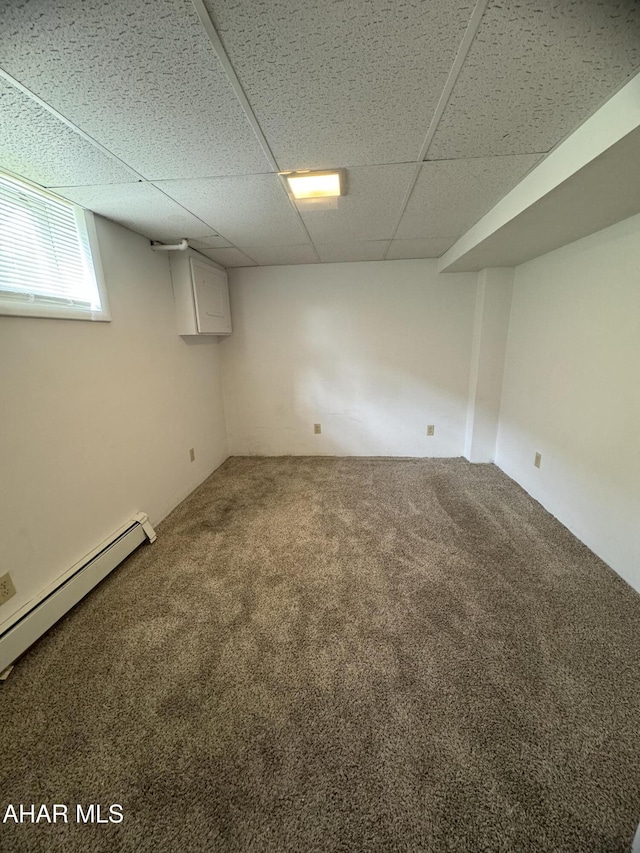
[94, 245]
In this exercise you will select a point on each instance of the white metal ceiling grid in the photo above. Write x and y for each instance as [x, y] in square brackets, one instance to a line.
[272, 255]
[368, 211]
[253, 209]
[229, 257]
[431, 247]
[35, 144]
[331, 84]
[211, 241]
[536, 69]
[131, 204]
[450, 195]
[139, 77]
[367, 250]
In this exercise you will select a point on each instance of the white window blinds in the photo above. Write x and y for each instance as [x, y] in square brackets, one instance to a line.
[46, 263]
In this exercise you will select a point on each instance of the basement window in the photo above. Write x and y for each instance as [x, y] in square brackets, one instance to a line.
[49, 262]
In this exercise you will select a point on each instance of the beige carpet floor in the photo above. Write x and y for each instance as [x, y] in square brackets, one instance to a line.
[338, 655]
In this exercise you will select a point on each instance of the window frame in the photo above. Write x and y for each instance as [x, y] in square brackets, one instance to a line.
[86, 226]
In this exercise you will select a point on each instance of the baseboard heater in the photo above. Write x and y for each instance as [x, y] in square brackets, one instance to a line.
[36, 617]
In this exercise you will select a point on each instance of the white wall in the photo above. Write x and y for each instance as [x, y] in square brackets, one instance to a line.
[491, 324]
[98, 418]
[373, 351]
[572, 390]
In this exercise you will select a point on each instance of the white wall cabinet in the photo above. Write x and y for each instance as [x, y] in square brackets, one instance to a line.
[201, 294]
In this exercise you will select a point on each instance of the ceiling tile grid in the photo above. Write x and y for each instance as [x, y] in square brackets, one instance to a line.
[368, 211]
[336, 83]
[537, 69]
[229, 257]
[451, 195]
[251, 210]
[367, 250]
[140, 207]
[210, 241]
[332, 83]
[425, 248]
[275, 255]
[141, 78]
[41, 148]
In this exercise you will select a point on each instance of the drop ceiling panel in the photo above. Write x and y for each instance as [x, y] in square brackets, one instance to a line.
[253, 210]
[429, 248]
[43, 149]
[368, 211]
[273, 255]
[340, 84]
[450, 195]
[211, 241]
[535, 70]
[141, 78]
[229, 257]
[368, 250]
[565, 213]
[140, 207]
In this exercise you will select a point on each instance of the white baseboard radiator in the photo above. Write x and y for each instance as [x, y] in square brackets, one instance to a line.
[35, 618]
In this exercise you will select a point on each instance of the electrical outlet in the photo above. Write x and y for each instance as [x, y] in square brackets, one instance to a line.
[431, 429]
[317, 428]
[192, 454]
[537, 460]
[7, 589]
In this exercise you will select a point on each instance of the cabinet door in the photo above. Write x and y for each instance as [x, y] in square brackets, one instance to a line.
[211, 295]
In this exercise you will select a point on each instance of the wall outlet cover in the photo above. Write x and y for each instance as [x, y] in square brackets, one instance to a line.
[431, 429]
[317, 428]
[192, 454]
[537, 460]
[7, 589]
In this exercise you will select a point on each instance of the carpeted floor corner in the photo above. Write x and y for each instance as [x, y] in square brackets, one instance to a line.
[339, 654]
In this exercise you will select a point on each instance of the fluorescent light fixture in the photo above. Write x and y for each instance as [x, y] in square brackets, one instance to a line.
[325, 184]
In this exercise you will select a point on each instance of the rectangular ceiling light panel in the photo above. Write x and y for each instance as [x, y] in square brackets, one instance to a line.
[306, 185]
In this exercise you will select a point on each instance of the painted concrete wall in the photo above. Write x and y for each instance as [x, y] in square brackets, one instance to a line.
[374, 352]
[98, 418]
[572, 390]
[491, 324]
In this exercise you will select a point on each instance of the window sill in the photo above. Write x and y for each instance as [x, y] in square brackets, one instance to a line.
[52, 312]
